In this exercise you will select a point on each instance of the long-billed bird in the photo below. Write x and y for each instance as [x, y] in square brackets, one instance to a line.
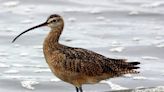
[78, 66]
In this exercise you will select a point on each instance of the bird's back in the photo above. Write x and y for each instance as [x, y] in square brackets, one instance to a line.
[100, 63]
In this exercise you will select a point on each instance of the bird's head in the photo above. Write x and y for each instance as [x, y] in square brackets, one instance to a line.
[53, 21]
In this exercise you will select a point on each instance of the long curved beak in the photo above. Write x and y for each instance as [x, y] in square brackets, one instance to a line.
[40, 25]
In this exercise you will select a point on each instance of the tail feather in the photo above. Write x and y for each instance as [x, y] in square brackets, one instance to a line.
[133, 67]
[134, 63]
[128, 67]
[119, 67]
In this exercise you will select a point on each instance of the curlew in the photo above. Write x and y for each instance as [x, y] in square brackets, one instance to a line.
[78, 66]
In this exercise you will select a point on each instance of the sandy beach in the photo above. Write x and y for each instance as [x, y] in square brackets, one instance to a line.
[131, 29]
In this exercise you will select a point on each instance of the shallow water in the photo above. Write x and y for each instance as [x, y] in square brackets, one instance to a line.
[131, 29]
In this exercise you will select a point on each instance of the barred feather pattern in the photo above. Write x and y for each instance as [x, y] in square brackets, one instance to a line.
[87, 62]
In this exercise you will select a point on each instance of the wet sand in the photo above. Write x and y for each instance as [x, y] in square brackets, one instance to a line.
[117, 29]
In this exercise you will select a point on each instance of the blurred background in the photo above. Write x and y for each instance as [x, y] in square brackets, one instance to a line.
[131, 29]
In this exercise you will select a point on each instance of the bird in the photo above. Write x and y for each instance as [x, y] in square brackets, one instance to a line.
[75, 65]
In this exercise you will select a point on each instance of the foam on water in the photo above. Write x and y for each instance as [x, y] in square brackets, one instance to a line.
[114, 86]
[134, 13]
[55, 80]
[117, 49]
[29, 84]
[116, 43]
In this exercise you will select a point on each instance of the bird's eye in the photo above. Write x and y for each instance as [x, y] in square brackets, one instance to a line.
[54, 21]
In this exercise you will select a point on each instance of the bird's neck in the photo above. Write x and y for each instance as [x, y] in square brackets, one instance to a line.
[53, 36]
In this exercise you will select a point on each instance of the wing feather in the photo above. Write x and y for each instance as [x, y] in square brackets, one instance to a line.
[93, 64]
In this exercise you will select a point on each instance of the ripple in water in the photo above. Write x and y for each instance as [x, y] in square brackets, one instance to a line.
[149, 58]
[11, 71]
[11, 3]
[4, 65]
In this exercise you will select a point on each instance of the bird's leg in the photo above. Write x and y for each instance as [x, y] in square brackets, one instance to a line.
[77, 89]
[80, 88]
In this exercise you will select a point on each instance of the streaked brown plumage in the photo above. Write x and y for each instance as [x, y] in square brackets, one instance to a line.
[76, 65]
